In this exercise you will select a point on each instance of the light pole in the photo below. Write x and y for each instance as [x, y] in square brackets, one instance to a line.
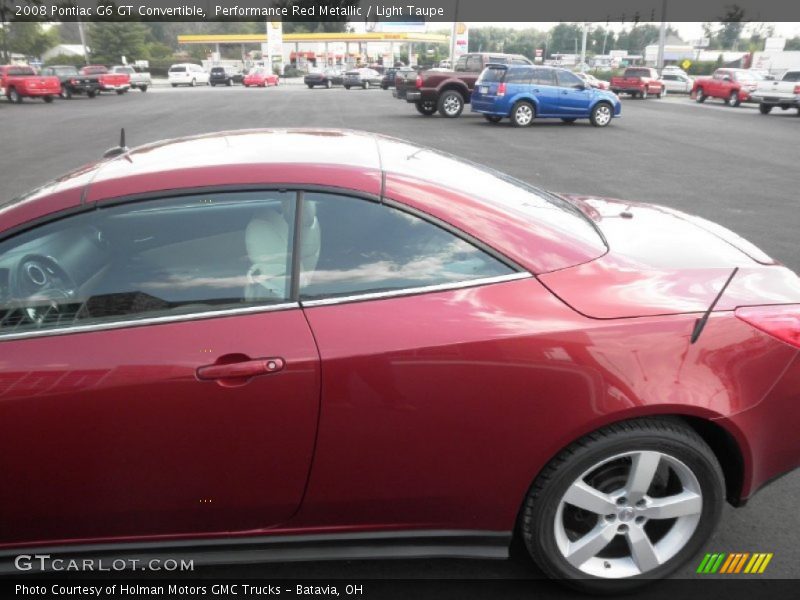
[583, 47]
[662, 36]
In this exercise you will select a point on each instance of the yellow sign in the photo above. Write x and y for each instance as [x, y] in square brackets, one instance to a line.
[686, 64]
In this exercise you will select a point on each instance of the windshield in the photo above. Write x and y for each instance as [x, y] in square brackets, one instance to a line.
[65, 71]
[637, 72]
[177, 69]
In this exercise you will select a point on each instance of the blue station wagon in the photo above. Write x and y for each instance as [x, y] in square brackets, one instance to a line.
[524, 93]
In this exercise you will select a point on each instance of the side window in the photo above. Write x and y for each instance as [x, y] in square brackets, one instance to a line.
[669, 77]
[519, 75]
[149, 259]
[567, 79]
[475, 63]
[544, 76]
[519, 61]
[352, 246]
[461, 64]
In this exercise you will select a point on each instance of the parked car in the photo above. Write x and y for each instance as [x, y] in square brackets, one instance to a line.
[593, 81]
[784, 93]
[734, 86]
[72, 82]
[260, 77]
[326, 78]
[674, 70]
[18, 82]
[449, 91]
[640, 82]
[225, 76]
[187, 74]
[139, 79]
[390, 76]
[458, 354]
[364, 78]
[108, 81]
[525, 93]
[675, 82]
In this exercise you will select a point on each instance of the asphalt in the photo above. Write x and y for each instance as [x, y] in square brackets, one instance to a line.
[731, 165]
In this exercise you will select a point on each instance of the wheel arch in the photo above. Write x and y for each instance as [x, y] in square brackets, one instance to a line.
[456, 86]
[727, 446]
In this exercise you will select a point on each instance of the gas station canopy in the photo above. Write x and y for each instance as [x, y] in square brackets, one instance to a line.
[291, 38]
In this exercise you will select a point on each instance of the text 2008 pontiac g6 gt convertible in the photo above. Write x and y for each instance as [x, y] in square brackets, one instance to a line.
[311, 343]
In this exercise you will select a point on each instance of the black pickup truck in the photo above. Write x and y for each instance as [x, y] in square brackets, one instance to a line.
[448, 91]
[72, 82]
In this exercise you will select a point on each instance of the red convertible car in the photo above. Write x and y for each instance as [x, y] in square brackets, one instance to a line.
[260, 78]
[319, 343]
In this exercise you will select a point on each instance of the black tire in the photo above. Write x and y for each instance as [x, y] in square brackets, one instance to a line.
[143, 89]
[347, 87]
[365, 85]
[48, 99]
[91, 94]
[451, 104]
[384, 86]
[733, 99]
[229, 82]
[120, 92]
[644, 93]
[66, 93]
[311, 87]
[673, 440]
[492, 118]
[193, 83]
[425, 107]
[174, 85]
[764, 109]
[14, 96]
[601, 114]
[700, 96]
[523, 114]
[568, 119]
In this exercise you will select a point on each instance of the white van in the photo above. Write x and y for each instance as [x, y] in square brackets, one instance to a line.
[187, 74]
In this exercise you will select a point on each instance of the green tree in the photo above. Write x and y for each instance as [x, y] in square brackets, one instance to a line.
[110, 41]
[793, 43]
[28, 38]
[565, 38]
[732, 26]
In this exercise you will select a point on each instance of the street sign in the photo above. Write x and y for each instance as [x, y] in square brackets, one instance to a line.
[686, 64]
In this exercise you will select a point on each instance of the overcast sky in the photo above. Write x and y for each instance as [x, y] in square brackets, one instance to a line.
[688, 31]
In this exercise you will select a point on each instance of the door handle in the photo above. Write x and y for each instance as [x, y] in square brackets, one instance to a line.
[241, 369]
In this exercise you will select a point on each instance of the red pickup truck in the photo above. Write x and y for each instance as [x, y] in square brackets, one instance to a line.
[108, 81]
[18, 82]
[448, 91]
[734, 86]
[639, 81]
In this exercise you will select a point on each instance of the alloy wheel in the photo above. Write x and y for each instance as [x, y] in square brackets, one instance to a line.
[602, 115]
[628, 514]
[451, 105]
[523, 115]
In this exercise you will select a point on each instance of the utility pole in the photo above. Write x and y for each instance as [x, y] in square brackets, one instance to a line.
[662, 36]
[83, 42]
[583, 47]
[452, 39]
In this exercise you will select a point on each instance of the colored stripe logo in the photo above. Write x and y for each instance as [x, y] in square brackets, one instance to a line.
[735, 563]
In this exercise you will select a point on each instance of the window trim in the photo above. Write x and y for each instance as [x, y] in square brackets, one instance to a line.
[294, 299]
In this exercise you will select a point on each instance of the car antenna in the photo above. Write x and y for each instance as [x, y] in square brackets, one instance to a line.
[117, 150]
[701, 322]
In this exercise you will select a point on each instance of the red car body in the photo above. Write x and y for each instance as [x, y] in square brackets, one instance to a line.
[18, 82]
[260, 78]
[420, 414]
[732, 85]
[108, 81]
[638, 81]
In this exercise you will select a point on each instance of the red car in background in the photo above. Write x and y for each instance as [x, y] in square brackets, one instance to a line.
[20, 81]
[734, 86]
[275, 342]
[260, 78]
[107, 80]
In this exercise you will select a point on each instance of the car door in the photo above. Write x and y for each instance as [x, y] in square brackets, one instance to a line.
[544, 88]
[155, 378]
[415, 328]
[574, 96]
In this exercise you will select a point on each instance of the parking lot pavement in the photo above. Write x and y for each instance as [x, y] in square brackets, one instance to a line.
[731, 165]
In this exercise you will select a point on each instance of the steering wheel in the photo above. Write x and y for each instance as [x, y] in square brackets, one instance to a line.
[40, 285]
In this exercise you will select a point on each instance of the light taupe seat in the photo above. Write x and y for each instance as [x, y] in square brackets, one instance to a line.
[267, 241]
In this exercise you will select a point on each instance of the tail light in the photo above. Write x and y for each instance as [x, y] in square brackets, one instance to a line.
[781, 322]
[418, 82]
[501, 89]
[797, 89]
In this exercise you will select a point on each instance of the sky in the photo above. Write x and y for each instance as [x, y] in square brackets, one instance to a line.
[687, 30]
